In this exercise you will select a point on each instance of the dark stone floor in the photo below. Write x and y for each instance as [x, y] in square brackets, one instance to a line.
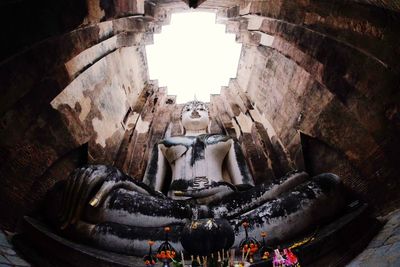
[384, 249]
[8, 256]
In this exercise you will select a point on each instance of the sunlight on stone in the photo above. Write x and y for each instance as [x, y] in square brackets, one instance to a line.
[193, 56]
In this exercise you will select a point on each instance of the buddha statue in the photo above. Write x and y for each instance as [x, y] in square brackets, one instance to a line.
[210, 179]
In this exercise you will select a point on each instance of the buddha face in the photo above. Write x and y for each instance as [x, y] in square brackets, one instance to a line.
[195, 116]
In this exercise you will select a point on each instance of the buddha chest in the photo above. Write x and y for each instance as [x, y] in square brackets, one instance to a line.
[195, 156]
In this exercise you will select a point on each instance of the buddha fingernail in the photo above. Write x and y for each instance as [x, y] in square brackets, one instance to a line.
[94, 202]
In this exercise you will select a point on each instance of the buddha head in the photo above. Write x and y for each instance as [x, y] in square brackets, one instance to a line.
[194, 116]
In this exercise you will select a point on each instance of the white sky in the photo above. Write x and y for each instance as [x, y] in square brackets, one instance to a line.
[193, 56]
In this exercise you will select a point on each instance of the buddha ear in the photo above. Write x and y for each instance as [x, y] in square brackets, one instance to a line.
[183, 130]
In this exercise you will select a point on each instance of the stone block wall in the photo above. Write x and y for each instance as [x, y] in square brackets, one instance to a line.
[67, 101]
[324, 74]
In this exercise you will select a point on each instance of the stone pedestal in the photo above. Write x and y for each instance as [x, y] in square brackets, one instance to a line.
[46, 249]
[334, 244]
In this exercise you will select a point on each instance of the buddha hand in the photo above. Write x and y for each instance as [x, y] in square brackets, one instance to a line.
[213, 192]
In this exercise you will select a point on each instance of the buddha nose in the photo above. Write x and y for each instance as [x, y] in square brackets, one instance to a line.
[195, 114]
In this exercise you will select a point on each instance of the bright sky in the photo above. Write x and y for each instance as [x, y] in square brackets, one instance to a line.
[193, 56]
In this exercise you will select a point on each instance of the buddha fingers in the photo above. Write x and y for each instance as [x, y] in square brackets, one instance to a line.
[215, 193]
[69, 191]
[66, 190]
[75, 193]
[110, 186]
[81, 185]
[91, 184]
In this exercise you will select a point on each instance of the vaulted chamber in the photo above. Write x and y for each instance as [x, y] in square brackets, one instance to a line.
[316, 90]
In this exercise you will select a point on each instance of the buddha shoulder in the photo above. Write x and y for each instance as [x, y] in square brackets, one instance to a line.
[177, 141]
[216, 138]
[208, 139]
